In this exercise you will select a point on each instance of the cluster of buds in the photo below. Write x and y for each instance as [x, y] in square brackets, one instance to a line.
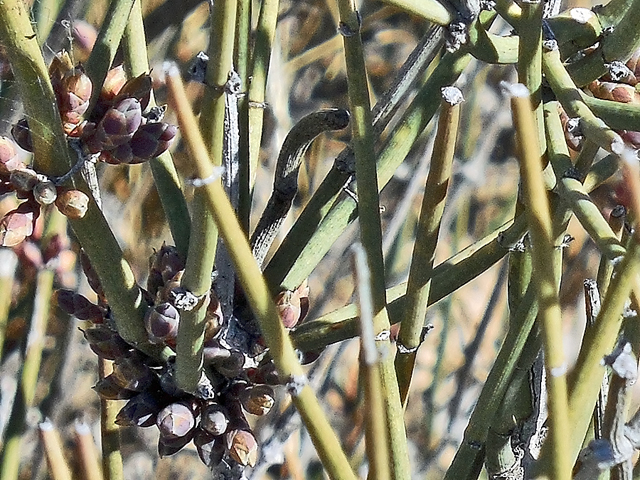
[214, 418]
[119, 129]
[620, 84]
[36, 190]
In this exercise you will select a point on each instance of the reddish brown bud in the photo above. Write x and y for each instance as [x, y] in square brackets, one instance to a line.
[230, 366]
[72, 203]
[176, 421]
[211, 449]
[109, 389]
[115, 79]
[24, 179]
[161, 323]
[141, 410]
[18, 224]
[243, 447]
[74, 95]
[78, 305]
[106, 343]
[258, 399]
[130, 373]
[138, 88]
[152, 139]
[214, 419]
[60, 65]
[8, 157]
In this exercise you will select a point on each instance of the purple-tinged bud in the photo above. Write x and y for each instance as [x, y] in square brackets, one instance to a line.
[22, 135]
[167, 447]
[117, 126]
[131, 373]
[258, 399]
[109, 389]
[175, 421]
[243, 447]
[113, 83]
[79, 306]
[161, 323]
[211, 449]
[141, 410]
[167, 261]
[214, 419]
[152, 139]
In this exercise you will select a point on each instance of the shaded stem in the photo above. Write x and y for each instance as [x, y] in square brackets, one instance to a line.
[110, 432]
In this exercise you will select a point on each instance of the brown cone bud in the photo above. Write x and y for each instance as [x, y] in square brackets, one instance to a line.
[45, 192]
[8, 157]
[161, 323]
[138, 88]
[258, 399]
[106, 343]
[243, 447]
[117, 126]
[22, 135]
[74, 96]
[230, 366]
[214, 419]
[72, 203]
[141, 410]
[131, 373]
[168, 447]
[24, 179]
[113, 83]
[109, 389]
[78, 305]
[213, 318]
[152, 139]
[60, 66]
[18, 224]
[176, 421]
[211, 449]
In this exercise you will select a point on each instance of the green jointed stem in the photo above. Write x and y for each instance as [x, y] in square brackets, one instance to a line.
[265, 35]
[204, 234]
[104, 50]
[162, 167]
[8, 264]
[370, 227]
[258, 295]
[421, 270]
[544, 278]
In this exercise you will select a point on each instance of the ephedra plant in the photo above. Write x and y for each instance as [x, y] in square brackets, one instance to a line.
[207, 340]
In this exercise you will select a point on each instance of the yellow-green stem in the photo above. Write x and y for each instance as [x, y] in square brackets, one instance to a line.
[544, 278]
[204, 235]
[275, 335]
[421, 270]
[370, 228]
